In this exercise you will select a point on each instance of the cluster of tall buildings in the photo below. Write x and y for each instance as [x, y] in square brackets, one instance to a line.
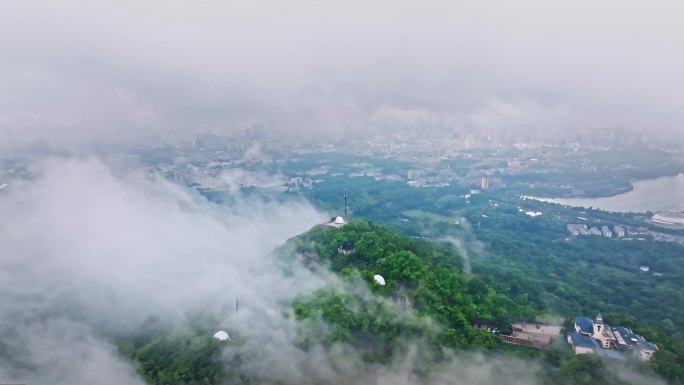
[582, 229]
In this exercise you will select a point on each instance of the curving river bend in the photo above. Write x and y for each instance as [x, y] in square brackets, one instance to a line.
[665, 193]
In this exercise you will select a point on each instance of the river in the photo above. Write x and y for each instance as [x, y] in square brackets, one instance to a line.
[665, 193]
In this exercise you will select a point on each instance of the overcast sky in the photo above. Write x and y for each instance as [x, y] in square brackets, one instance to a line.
[113, 67]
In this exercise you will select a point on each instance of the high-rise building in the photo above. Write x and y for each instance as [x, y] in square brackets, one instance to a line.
[485, 182]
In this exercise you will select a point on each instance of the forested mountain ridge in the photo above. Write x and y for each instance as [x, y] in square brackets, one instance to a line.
[431, 277]
[427, 278]
[535, 259]
[425, 310]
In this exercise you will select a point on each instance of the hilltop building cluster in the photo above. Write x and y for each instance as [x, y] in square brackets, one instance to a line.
[597, 337]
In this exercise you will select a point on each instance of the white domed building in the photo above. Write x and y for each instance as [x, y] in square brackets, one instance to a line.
[222, 336]
[668, 218]
[336, 223]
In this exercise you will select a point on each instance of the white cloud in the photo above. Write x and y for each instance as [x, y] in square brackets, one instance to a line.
[87, 254]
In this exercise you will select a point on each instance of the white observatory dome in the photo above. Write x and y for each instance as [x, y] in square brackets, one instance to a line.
[339, 221]
[379, 279]
[222, 336]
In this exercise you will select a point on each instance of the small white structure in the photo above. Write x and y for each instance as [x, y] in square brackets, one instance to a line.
[222, 336]
[336, 223]
[379, 279]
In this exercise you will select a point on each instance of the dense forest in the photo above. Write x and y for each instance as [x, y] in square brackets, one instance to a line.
[427, 301]
[535, 260]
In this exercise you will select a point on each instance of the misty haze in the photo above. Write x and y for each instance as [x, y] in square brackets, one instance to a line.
[341, 192]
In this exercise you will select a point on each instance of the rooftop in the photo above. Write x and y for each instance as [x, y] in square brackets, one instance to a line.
[648, 346]
[599, 319]
[586, 325]
[582, 340]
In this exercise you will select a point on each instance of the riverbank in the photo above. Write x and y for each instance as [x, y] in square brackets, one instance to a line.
[660, 194]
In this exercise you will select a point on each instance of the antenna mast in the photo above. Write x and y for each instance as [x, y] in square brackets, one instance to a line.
[346, 197]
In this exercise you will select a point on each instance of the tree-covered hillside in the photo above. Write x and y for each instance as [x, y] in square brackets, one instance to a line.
[425, 310]
[427, 277]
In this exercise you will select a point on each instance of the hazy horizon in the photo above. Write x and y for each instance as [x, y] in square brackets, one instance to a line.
[79, 69]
